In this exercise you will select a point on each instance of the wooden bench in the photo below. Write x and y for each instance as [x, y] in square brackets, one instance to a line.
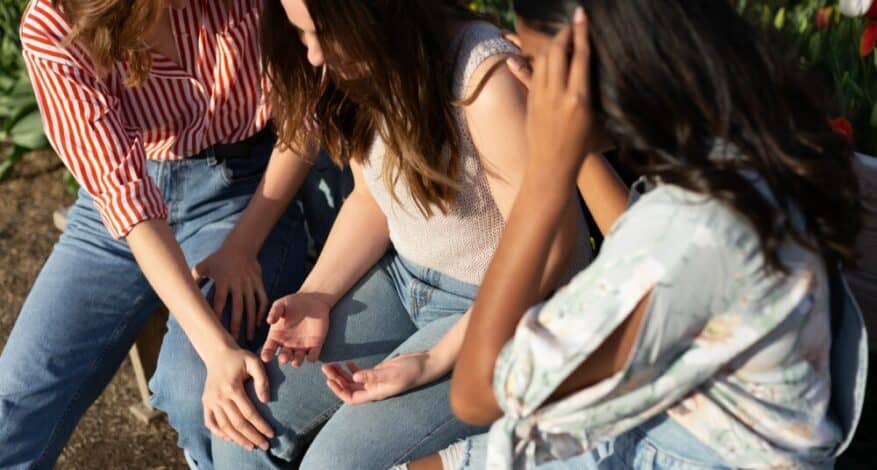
[144, 352]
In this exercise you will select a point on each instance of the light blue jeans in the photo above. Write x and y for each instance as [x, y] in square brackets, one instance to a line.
[659, 444]
[91, 299]
[398, 307]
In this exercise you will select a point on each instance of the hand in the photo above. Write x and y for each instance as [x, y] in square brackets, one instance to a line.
[299, 324]
[228, 411]
[385, 380]
[560, 117]
[236, 272]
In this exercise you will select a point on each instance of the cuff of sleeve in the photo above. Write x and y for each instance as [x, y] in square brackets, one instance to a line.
[130, 204]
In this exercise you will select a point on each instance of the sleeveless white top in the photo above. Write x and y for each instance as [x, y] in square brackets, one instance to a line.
[461, 243]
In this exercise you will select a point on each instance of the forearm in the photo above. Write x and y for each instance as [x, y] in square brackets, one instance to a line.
[160, 258]
[603, 191]
[357, 241]
[284, 176]
[507, 291]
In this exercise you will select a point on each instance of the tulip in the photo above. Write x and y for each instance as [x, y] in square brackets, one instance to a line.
[823, 17]
[842, 126]
[866, 8]
[868, 40]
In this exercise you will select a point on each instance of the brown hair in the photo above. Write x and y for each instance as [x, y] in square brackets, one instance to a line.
[112, 30]
[400, 89]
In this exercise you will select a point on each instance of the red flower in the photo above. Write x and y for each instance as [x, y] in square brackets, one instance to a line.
[823, 17]
[842, 126]
[869, 40]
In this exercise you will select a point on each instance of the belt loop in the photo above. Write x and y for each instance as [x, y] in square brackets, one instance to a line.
[211, 156]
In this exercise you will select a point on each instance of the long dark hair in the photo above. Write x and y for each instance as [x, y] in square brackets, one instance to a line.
[400, 88]
[674, 77]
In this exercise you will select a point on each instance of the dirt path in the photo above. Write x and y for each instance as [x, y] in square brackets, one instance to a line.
[108, 435]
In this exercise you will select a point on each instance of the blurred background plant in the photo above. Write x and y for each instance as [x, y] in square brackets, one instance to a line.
[839, 47]
[502, 9]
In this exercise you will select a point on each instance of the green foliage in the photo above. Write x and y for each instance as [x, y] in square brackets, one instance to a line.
[502, 9]
[833, 49]
[20, 125]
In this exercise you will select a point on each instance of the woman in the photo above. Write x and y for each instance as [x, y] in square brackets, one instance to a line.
[157, 108]
[416, 98]
[702, 336]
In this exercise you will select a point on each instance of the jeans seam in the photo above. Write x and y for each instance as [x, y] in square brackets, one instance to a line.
[284, 255]
[405, 457]
[322, 418]
[117, 332]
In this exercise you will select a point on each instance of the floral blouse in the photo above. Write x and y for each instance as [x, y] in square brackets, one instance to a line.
[739, 357]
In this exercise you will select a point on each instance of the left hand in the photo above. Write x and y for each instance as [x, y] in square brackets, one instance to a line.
[237, 274]
[561, 128]
[385, 380]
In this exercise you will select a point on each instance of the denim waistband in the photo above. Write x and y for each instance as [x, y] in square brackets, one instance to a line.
[437, 279]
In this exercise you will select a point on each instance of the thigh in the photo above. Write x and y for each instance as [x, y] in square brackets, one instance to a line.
[78, 322]
[400, 429]
[367, 324]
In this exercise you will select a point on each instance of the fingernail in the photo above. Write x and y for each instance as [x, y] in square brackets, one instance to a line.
[514, 63]
[579, 16]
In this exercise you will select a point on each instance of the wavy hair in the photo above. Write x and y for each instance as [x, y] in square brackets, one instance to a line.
[674, 77]
[112, 31]
[397, 85]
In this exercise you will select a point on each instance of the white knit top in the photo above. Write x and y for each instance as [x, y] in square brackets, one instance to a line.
[461, 243]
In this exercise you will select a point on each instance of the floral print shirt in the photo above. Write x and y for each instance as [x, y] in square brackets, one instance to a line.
[738, 356]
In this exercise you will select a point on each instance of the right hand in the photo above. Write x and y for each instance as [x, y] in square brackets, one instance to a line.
[228, 411]
[299, 324]
[236, 273]
[561, 127]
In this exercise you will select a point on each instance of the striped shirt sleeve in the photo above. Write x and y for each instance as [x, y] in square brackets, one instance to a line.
[82, 122]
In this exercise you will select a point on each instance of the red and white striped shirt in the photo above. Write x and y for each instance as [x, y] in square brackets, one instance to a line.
[104, 132]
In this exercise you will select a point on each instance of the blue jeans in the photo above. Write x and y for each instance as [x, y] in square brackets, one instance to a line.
[91, 299]
[659, 444]
[397, 307]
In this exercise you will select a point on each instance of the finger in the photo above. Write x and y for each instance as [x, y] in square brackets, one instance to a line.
[580, 65]
[521, 70]
[240, 426]
[298, 357]
[220, 296]
[512, 38]
[252, 415]
[285, 356]
[313, 355]
[252, 313]
[225, 425]
[342, 374]
[352, 367]
[200, 271]
[339, 391]
[558, 60]
[264, 302]
[539, 78]
[269, 350]
[210, 424]
[237, 310]
[260, 378]
[278, 310]
[370, 377]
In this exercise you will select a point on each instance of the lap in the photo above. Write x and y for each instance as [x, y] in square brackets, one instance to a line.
[366, 325]
[403, 428]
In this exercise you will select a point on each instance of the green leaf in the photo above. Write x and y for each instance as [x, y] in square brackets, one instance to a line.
[873, 120]
[12, 157]
[28, 132]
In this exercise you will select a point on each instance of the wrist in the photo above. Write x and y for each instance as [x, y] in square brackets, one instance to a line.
[216, 347]
[434, 367]
[242, 244]
[320, 293]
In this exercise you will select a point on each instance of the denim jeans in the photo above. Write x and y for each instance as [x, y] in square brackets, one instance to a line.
[90, 301]
[397, 307]
[659, 444]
